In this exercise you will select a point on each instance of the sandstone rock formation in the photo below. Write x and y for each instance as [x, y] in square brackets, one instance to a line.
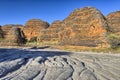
[14, 37]
[7, 27]
[83, 27]
[113, 20]
[33, 28]
[50, 34]
[1, 33]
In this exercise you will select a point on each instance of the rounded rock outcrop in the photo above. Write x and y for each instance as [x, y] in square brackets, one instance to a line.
[14, 37]
[83, 27]
[33, 27]
[113, 20]
[7, 27]
[37, 23]
[1, 32]
[51, 34]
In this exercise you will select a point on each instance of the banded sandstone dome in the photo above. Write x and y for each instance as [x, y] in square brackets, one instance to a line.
[32, 28]
[51, 34]
[113, 20]
[6, 28]
[1, 33]
[14, 37]
[83, 27]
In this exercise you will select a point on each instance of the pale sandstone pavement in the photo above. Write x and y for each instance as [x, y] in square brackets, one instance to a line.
[50, 64]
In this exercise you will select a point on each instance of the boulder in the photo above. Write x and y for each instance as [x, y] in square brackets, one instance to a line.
[33, 27]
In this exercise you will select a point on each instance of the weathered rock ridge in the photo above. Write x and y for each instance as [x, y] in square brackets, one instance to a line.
[83, 27]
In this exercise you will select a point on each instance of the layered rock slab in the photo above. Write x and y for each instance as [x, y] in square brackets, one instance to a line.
[50, 64]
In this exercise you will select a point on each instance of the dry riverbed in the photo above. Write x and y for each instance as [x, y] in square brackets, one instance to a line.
[53, 64]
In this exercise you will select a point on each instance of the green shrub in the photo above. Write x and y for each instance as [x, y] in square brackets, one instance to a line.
[34, 39]
[1, 39]
[113, 40]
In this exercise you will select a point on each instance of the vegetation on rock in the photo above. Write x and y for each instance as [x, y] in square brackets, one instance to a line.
[114, 40]
[33, 39]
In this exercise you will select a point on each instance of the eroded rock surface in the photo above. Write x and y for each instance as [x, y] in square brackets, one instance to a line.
[33, 28]
[113, 20]
[14, 37]
[83, 27]
[51, 34]
[1, 32]
[38, 64]
[6, 28]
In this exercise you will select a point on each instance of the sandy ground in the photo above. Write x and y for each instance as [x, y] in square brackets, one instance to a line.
[51, 64]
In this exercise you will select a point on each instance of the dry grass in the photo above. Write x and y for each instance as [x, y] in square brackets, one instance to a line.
[88, 49]
[73, 48]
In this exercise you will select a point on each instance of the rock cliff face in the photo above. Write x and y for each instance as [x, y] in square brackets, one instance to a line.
[7, 27]
[33, 27]
[83, 27]
[14, 37]
[50, 34]
[1, 33]
[113, 20]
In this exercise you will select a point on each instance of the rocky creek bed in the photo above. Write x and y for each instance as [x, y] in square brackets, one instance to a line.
[52, 64]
